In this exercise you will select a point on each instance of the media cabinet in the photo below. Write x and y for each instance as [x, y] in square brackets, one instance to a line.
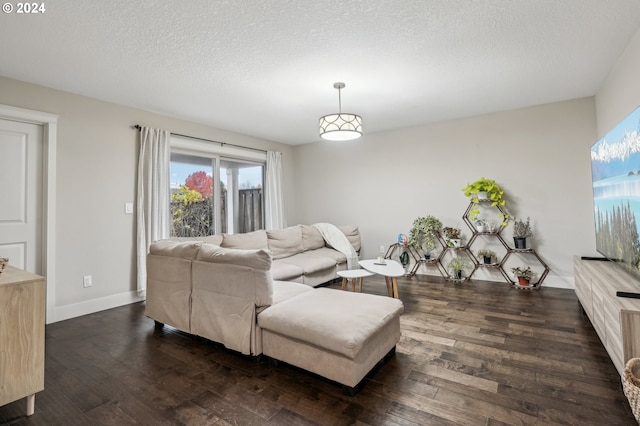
[615, 319]
[22, 316]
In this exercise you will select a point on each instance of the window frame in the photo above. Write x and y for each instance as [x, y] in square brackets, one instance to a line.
[218, 153]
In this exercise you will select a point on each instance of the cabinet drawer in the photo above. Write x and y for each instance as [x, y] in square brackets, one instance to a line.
[613, 333]
[583, 291]
[598, 318]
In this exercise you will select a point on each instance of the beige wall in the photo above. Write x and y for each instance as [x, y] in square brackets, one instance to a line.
[96, 175]
[620, 92]
[382, 182]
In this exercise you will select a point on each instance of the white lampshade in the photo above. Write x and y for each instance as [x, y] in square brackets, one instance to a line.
[340, 126]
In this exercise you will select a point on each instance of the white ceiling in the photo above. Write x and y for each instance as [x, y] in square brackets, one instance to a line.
[267, 68]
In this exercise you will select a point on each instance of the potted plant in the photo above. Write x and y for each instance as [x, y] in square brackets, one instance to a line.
[456, 266]
[486, 255]
[523, 274]
[521, 231]
[485, 190]
[424, 232]
[452, 236]
[481, 224]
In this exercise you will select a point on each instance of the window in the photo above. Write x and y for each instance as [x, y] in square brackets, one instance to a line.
[213, 193]
[192, 195]
[242, 204]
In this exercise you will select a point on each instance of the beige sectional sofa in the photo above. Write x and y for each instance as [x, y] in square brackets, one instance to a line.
[230, 295]
[300, 253]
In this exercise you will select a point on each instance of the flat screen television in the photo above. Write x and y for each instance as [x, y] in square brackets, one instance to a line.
[615, 171]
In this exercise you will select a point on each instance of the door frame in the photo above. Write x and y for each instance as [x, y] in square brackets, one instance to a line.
[49, 123]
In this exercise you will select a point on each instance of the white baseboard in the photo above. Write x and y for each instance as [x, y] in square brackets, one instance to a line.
[74, 310]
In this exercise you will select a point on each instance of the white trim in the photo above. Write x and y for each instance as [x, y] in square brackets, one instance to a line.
[87, 307]
[49, 123]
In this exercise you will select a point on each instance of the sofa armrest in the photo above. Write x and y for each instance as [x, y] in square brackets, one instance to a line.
[169, 291]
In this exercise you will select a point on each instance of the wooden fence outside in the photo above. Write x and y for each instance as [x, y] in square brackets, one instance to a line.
[196, 219]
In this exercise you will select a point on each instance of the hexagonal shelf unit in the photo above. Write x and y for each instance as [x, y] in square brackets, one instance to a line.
[494, 232]
[448, 254]
[541, 270]
[489, 232]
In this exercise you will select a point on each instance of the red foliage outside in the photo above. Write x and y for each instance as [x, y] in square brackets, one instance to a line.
[201, 182]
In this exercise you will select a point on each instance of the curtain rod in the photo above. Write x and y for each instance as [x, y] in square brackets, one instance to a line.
[139, 127]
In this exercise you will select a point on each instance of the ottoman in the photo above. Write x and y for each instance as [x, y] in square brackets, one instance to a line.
[335, 334]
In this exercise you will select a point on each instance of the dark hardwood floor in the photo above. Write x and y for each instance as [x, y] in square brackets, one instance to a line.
[474, 353]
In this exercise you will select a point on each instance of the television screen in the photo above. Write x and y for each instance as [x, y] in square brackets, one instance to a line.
[615, 171]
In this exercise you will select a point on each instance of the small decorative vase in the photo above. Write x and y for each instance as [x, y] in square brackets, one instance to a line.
[524, 282]
[480, 228]
[487, 260]
[427, 256]
[458, 275]
[520, 243]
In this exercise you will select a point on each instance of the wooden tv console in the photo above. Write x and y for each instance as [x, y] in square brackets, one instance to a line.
[615, 319]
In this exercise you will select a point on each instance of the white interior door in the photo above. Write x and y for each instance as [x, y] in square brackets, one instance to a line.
[21, 165]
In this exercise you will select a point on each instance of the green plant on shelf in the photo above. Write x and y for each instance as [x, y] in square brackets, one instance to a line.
[522, 272]
[456, 267]
[424, 232]
[486, 253]
[522, 229]
[486, 189]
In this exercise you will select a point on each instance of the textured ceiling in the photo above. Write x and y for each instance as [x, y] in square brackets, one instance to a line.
[267, 68]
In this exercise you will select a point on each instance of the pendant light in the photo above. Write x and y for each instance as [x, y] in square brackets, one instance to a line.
[340, 126]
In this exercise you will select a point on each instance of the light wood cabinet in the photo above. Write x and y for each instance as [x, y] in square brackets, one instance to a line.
[22, 310]
[615, 319]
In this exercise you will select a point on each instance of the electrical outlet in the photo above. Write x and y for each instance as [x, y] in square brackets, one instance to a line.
[128, 208]
[86, 281]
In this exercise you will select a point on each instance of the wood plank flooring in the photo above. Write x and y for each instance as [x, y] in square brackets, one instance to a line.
[475, 353]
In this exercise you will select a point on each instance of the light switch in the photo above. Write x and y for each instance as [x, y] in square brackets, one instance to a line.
[128, 208]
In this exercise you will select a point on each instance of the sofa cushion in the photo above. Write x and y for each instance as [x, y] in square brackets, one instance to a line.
[337, 256]
[339, 321]
[256, 259]
[181, 249]
[250, 240]
[311, 238]
[283, 290]
[286, 271]
[353, 235]
[212, 239]
[310, 263]
[285, 242]
[241, 277]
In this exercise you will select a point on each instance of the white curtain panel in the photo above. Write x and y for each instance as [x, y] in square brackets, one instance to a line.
[274, 199]
[153, 195]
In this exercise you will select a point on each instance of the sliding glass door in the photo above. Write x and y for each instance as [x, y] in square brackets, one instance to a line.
[212, 194]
